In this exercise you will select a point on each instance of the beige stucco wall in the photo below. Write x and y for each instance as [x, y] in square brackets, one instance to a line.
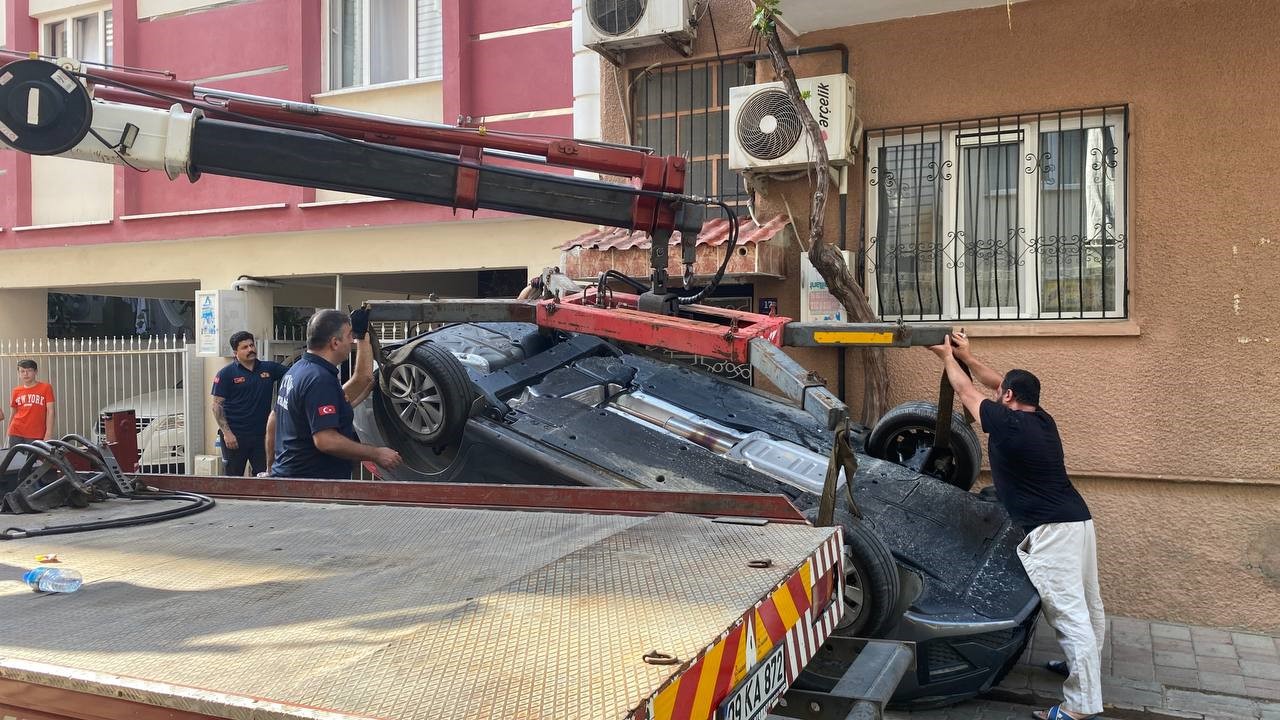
[1195, 394]
[216, 263]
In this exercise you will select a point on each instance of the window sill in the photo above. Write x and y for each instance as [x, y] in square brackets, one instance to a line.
[351, 201]
[208, 211]
[1050, 328]
[62, 226]
[372, 88]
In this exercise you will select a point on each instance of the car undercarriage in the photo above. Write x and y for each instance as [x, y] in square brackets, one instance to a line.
[928, 562]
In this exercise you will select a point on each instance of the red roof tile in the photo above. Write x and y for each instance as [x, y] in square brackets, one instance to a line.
[714, 233]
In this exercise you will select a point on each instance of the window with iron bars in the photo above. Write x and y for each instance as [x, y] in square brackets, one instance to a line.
[1011, 218]
[684, 110]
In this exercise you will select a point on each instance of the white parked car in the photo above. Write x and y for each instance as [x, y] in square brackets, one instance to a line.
[162, 445]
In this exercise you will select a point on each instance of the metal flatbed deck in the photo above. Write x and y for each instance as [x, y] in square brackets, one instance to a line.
[290, 609]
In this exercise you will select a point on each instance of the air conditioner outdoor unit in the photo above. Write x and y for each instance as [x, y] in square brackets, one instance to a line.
[612, 26]
[766, 133]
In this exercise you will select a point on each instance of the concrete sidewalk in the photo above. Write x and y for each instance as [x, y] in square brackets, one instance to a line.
[1150, 670]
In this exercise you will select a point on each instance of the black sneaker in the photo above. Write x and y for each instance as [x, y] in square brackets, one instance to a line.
[1058, 667]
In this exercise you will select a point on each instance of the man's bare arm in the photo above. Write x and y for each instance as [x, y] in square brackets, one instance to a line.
[970, 397]
[270, 439]
[48, 421]
[360, 384]
[332, 442]
[220, 416]
[981, 372]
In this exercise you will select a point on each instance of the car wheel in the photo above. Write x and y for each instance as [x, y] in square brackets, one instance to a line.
[871, 583]
[905, 435]
[429, 395]
[870, 601]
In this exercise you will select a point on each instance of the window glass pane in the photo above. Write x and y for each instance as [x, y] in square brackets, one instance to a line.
[346, 46]
[88, 39]
[430, 39]
[55, 39]
[110, 32]
[675, 112]
[908, 254]
[989, 223]
[1077, 234]
[391, 55]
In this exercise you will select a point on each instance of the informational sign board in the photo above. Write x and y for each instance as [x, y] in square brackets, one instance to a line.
[219, 315]
[816, 304]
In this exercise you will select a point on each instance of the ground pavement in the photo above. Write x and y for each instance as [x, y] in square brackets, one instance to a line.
[1150, 669]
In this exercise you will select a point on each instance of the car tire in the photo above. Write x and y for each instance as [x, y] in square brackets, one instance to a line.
[908, 430]
[871, 583]
[871, 602]
[429, 395]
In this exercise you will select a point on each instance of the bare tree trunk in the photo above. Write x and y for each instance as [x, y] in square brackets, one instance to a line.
[826, 258]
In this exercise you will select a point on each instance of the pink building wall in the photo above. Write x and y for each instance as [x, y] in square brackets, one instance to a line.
[516, 73]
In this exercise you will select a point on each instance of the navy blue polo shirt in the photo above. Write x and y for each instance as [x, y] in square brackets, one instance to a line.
[246, 396]
[311, 400]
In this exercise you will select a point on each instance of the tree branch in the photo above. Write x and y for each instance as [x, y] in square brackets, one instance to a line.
[828, 261]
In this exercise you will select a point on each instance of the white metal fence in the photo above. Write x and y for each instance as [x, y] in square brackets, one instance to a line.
[154, 377]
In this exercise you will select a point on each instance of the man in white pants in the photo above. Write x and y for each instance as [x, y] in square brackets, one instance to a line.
[1059, 552]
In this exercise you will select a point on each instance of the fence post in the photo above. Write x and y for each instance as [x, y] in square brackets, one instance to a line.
[193, 410]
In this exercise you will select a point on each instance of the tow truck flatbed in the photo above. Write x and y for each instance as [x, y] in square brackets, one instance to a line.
[298, 608]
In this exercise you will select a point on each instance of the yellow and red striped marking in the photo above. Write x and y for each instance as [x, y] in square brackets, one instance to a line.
[786, 616]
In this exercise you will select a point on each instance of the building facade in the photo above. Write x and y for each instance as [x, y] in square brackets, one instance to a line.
[1075, 183]
[1083, 185]
[71, 228]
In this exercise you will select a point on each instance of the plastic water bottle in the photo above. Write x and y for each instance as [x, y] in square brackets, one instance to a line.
[48, 579]
[217, 444]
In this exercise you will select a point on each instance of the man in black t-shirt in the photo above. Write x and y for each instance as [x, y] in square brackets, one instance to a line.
[1060, 550]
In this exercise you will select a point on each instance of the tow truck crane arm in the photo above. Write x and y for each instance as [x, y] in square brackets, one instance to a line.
[150, 120]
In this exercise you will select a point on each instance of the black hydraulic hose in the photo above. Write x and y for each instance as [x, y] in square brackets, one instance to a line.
[628, 281]
[724, 263]
[197, 504]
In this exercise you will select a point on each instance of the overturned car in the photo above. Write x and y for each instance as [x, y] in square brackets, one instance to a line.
[929, 562]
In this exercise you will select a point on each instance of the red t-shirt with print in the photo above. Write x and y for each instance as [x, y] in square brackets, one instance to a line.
[30, 410]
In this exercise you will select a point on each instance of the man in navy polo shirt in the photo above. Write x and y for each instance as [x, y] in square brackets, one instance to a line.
[241, 401]
[315, 434]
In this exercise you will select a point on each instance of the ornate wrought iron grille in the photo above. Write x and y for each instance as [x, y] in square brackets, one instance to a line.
[1003, 218]
[684, 110]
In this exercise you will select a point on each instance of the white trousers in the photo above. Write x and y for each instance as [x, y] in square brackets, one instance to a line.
[1062, 561]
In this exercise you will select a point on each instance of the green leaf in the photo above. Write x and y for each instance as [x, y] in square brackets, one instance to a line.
[805, 94]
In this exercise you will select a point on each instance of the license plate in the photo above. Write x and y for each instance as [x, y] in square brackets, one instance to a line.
[757, 692]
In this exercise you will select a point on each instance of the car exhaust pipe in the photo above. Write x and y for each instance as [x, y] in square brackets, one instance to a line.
[781, 460]
[716, 438]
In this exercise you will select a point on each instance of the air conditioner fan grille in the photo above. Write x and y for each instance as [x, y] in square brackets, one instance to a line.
[768, 125]
[615, 17]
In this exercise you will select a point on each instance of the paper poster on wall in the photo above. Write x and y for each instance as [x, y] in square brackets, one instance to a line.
[816, 304]
[206, 323]
[219, 314]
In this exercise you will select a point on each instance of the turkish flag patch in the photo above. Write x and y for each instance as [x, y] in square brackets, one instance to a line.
[327, 410]
[239, 380]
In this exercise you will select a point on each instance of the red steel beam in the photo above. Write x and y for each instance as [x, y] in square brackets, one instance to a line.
[711, 332]
[774, 508]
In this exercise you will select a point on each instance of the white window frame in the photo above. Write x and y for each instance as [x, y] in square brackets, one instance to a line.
[951, 145]
[365, 48]
[70, 17]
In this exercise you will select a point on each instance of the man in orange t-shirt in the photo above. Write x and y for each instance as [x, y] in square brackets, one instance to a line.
[32, 403]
